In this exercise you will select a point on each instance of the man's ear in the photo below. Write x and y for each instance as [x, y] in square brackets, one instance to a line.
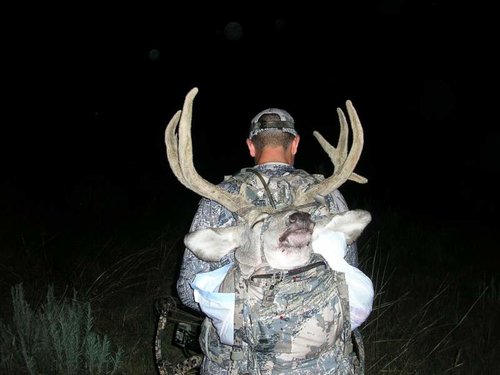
[251, 148]
[295, 144]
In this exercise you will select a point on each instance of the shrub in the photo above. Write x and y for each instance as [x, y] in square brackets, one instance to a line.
[56, 338]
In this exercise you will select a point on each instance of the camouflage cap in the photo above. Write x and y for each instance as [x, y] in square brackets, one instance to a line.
[281, 120]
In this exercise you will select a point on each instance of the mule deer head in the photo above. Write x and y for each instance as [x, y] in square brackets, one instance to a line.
[282, 238]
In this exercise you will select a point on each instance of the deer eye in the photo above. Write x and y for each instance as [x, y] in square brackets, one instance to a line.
[260, 219]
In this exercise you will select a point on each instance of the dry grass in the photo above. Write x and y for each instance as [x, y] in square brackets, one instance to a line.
[428, 317]
[427, 320]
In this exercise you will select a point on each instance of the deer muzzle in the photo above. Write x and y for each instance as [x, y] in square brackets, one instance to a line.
[299, 231]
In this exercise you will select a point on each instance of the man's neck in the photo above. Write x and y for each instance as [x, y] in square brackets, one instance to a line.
[274, 156]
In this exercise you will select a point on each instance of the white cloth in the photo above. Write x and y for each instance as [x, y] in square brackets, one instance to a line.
[217, 306]
[332, 246]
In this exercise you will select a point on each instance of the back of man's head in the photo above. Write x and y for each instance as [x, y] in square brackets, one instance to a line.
[272, 127]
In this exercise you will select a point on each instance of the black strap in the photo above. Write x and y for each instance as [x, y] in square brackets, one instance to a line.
[264, 183]
[293, 272]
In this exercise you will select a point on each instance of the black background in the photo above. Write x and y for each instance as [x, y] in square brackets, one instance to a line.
[89, 90]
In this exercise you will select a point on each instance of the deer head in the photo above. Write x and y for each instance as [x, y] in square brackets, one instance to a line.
[282, 238]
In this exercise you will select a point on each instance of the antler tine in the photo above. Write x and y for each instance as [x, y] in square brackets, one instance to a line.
[343, 162]
[339, 154]
[180, 157]
[172, 149]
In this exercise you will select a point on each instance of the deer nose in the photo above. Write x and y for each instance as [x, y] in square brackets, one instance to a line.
[300, 218]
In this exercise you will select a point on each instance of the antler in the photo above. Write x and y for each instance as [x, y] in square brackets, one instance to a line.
[344, 163]
[182, 162]
[180, 157]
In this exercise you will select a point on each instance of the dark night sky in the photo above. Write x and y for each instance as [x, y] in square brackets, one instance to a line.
[89, 91]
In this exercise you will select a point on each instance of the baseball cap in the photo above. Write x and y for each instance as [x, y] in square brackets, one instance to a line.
[272, 119]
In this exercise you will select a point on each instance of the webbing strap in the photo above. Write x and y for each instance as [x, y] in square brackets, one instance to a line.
[264, 183]
[293, 272]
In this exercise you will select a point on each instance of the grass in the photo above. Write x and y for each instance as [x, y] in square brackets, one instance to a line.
[433, 314]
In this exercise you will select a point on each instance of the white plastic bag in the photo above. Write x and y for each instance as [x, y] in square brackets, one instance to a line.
[332, 246]
[217, 306]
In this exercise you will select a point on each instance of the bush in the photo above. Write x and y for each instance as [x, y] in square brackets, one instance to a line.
[55, 338]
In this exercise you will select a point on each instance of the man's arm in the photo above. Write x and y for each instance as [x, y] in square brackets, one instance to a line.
[208, 215]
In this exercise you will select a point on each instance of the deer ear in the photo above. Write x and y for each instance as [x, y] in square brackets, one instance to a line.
[351, 223]
[212, 244]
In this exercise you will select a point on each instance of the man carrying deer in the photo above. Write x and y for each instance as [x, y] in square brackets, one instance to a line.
[273, 249]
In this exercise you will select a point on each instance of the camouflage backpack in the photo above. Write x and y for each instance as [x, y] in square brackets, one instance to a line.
[293, 322]
[288, 322]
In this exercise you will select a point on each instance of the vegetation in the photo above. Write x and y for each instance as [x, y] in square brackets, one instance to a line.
[56, 338]
[434, 312]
